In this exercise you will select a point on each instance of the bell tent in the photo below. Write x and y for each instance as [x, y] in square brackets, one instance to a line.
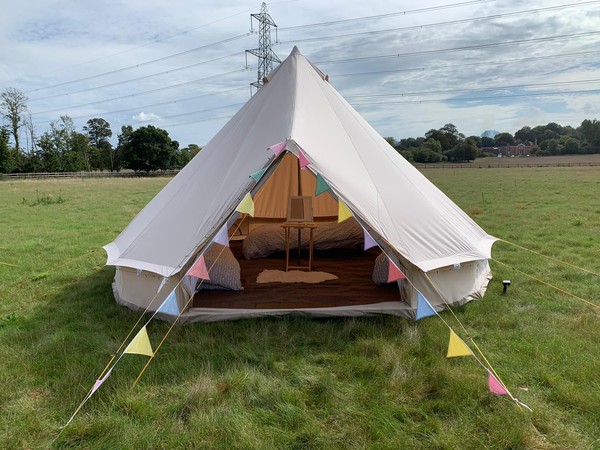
[297, 119]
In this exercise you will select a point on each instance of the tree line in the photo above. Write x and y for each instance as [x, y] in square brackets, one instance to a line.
[448, 144]
[62, 148]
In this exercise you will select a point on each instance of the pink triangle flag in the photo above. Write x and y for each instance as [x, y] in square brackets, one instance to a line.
[278, 148]
[99, 382]
[495, 386]
[394, 274]
[369, 241]
[303, 160]
[199, 270]
[222, 236]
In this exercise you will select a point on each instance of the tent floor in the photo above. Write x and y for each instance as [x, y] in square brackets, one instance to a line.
[355, 285]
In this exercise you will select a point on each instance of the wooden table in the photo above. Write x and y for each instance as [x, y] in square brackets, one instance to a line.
[288, 226]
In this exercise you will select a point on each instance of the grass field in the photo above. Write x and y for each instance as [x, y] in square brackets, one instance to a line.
[378, 382]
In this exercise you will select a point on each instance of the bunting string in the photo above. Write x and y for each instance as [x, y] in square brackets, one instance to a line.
[549, 257]
[548, 284]
[7, 264]
[108, 368]
[487, 365]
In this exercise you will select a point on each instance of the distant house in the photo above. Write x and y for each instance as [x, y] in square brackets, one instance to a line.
[523, 149]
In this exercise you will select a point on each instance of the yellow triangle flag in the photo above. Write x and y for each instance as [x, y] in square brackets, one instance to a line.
[140, 344]
[457, 347]
[343, 211]
[247, 205]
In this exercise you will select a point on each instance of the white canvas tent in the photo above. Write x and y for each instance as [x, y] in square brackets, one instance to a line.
[444, 251]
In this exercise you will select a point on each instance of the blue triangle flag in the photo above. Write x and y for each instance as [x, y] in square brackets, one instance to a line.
[424, 308]
[322, 185]
[258, 174]
[170, 306]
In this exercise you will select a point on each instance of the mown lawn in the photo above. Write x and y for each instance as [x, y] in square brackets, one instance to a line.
[378, 382]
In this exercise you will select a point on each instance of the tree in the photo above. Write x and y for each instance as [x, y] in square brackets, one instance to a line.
[590, 130]
[476, 140]
[504, 139]
[4, 149]
[525, 134]
[569, 146]
[98, 131]
[14, 105]
[149, 148]
[62, 149]
[487, 141]
[102, 155]
[464, 151]
[392, 141]
[448, 136]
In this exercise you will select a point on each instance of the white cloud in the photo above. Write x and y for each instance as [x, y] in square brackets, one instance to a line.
[145, 117]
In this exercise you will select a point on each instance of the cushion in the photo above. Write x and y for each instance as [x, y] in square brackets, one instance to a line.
[223, 269]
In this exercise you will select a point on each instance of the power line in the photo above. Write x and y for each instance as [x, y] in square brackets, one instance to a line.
[155, 41]
[191, 113]
[181, 100]
[492, 88]
[135, 66]
[558, 83]
[384, 16]
[417, 69]
[453, 66]
[233, 38]
[142, 93]
[454, 49]
[145, 77]
[445, 23]
[492, 97]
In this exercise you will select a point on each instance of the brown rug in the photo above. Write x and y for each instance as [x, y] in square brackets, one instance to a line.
[293, 276]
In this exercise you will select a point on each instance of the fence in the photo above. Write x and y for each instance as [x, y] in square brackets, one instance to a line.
[124, 174]
[500, 165]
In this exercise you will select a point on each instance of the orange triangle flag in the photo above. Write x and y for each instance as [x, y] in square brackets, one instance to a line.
[457, 347]
[140, 344]
[343, 211]
[199, 269]
[246, 205]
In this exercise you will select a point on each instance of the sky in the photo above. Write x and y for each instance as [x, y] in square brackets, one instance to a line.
[406, 66]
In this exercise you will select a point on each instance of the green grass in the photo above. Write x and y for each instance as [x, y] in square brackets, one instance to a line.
[378, 382]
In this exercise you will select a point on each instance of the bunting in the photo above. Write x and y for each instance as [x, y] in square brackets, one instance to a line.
[344, 212]
[424, 308]
[322, 185]
[495, 386]
[99, 382]
[170, 305]
[369, 242]
[199, 270]
[222, 236]
[140, 344]
[278, 148]
[303, 160]
[457, 347]
[256, 176]
[162, 283]
[246, 205]
[394, 274]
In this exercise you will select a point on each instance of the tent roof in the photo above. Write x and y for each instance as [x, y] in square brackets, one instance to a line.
[380, 187]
